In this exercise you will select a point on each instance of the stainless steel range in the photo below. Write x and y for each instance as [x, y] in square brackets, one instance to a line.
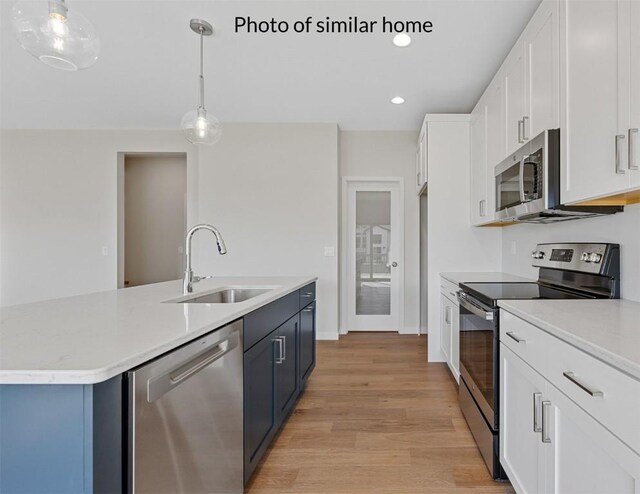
[566, 271]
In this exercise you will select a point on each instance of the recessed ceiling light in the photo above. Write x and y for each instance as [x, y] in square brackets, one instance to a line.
[398, 100]
[402, 40]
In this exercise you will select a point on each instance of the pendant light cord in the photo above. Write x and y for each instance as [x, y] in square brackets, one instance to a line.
[201, 68]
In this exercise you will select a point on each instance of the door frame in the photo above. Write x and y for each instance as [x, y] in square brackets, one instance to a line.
[344, 254]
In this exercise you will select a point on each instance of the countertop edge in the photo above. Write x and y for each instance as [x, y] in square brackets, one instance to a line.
[610, 358]
[97, 376]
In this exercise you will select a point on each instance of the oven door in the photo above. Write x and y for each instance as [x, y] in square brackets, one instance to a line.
[479, 355]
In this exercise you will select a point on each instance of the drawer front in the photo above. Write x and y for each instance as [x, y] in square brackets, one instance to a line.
[307, 295]
[605, 393]
[449, 290]
[527, 341]
[261, 322]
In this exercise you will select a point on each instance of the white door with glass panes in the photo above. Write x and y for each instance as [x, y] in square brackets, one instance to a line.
[375, 255]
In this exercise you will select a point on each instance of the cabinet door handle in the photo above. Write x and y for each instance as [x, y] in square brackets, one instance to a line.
[537, 399]
[582, 385]
[619, 139]
[310, 309]
[515, 337]
[279, 358]
[525, 137]
[284, 348]
[307, 295]
[447, 315]
[633, 142]
[520, 131]
[545, 421]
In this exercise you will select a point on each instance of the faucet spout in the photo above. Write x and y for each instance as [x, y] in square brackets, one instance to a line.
[189, 278]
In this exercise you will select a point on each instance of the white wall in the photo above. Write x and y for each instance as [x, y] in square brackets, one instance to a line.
[59, 207]
[272, 190]
[388, 154]
[622, 228]
[452, 244]
[155, 190]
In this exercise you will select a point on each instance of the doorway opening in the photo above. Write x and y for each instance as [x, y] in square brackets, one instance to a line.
[152, 218]
[373, 223]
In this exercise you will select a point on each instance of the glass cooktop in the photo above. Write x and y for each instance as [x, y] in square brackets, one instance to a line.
[490, 293]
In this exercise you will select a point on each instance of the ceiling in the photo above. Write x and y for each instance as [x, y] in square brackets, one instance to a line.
[146, 76]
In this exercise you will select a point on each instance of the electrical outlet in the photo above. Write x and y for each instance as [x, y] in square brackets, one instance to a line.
[105, 251]
[329, 252]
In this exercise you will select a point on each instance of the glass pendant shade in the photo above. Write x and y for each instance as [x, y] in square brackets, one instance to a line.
[61, 38]
[200, 127]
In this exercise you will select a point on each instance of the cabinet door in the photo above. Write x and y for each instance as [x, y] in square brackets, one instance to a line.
[593, 147]
[445, 327]
[455, 342]
[478, 172]
[260, 418]
[542, 52]
[582, 456]
[307, 342]
[521, 447]
[287, 365]
[514, 98]
[634, 93]
[496, 147]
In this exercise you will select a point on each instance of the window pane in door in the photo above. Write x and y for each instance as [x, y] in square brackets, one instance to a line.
[373, 247]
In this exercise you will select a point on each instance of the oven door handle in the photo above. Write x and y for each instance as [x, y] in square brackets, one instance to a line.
[474, 308]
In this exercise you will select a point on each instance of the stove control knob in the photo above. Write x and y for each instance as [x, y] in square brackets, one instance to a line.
[537, 254]
[595, 257]
[585, 257]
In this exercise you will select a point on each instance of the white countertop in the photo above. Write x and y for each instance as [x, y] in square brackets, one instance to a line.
[478, 277]
[90, 338]
[607, 329]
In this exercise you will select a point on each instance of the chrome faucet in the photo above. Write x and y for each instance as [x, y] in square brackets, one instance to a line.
[189, 278]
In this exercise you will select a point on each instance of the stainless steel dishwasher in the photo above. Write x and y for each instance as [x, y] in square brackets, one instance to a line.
[185, 418]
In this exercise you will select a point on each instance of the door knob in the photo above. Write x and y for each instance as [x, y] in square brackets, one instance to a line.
[394, 264]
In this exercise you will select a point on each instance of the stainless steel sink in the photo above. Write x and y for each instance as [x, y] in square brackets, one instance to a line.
[227, 296]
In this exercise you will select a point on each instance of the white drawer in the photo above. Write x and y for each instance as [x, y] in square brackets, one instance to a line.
[525, 340]
[449, 290]
[618, 408]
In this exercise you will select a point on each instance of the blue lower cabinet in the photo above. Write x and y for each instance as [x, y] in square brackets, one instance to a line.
[260, 413]
[307, 354]
[287, 366]
[61, 438]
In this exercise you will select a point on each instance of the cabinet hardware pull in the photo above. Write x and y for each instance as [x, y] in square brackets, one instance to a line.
[525, 137]
[284, 348]
[545, 421]
[515, 337]
[537, 398]
[310, 309]
[447, 317]
[279, 358]
[418, 179]
[520, 131]
[619, 139]
[572, 377]
[307, 295]
[633, 141]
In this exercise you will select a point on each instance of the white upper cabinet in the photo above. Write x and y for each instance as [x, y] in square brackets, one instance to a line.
[593, 149]
[632, 23]
[542, 85]
[421, 159]
[496, 140]
[479, 185]
[514, 90]
[601, 110]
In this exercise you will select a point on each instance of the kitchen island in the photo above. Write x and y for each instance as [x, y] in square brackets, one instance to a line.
[64, 410]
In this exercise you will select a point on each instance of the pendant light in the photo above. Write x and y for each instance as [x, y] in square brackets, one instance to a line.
[59, 37]
[198, 126]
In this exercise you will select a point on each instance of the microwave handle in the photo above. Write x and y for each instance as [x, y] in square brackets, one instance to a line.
[523, 198]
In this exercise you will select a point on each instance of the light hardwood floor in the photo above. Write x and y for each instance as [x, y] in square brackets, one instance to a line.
[375, 418]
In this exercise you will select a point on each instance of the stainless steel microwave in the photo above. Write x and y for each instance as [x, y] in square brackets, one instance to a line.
[527, 185]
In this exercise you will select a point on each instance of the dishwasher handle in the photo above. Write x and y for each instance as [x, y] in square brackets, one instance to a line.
[162, 384]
